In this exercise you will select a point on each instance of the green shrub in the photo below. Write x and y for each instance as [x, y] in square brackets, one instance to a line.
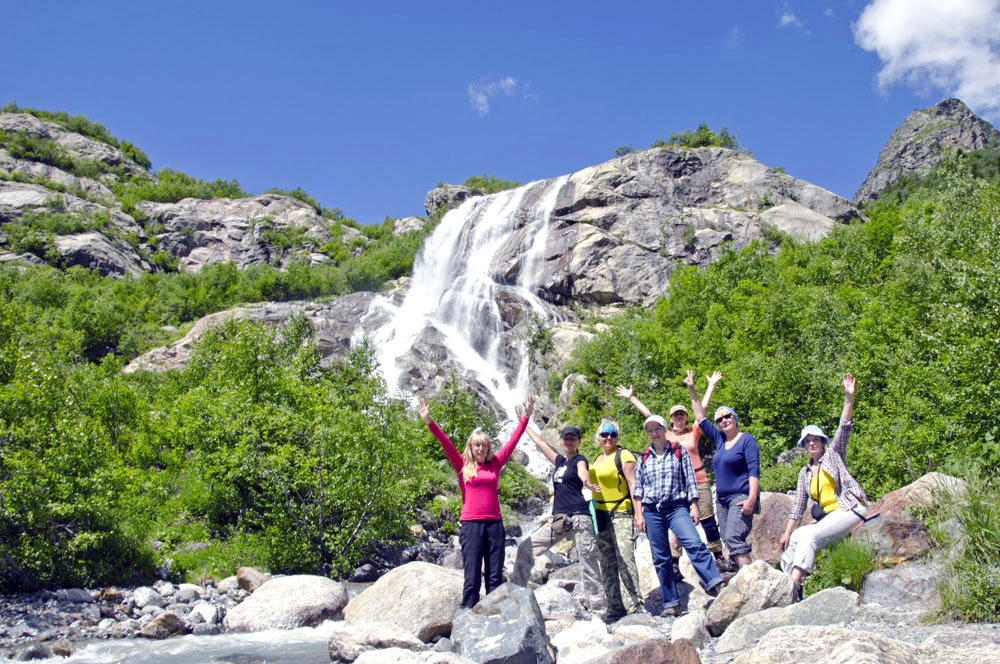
[702, 137]
[779, 478]
[847, 563]
[489, 184]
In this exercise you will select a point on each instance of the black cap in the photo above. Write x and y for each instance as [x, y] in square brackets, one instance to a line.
[569, 431]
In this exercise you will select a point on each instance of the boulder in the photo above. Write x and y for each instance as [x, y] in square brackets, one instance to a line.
[756, 587]
[556, 602]
[895, 533]
[145, 596]
[418, 597]
[250, 579]
[797, 644]
[692, 627]
[652, 651]
[164, 626]
[288, 602]
[506, 626]
[828, 607]
[229, 583]
[922, 141]
[78, 595]
[401, 656]
[769, 526]
[583, 641]
[95, 251]
[911, 585]
[347, 642]
[407, 225]
[445, 194]
[626, 633]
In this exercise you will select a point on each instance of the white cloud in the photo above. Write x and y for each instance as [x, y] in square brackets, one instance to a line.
[952, 47]
[828, 11]
[481, 92]
[735, 37]
[789, 19]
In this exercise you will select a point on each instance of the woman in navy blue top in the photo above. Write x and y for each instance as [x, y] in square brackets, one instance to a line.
[737, 474]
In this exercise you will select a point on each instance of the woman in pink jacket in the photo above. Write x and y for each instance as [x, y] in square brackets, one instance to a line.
[478, 469]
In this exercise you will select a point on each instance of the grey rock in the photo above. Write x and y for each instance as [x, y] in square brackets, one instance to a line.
[165, 588]
[418, 597]
[446, 194]
[222, 230]
[832, 606]
[227, 584]
[442, 645]
[554, 601]
[164, 626]
[288, 602]
[407, 225]
[146, 596]
[922, 141]
[33, 652]
[150, 610]
[187, 595]
[693, 627]
[583, 641]
[78, 595]
[205, 612]
[506, 626]
[106, 625]
[202, 629]
[347, 642]
[402, 656]
[364, 574]
[913, 585]
[95, 251]
[756, 587]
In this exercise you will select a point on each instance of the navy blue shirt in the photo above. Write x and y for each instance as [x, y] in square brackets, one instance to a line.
[568, 486]
[733, 468]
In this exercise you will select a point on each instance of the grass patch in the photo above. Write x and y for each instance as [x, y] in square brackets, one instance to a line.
[847, 563]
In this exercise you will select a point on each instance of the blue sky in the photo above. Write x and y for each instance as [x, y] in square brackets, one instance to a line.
[368, 105]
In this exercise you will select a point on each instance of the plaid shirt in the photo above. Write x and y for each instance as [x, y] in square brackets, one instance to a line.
[662, 478]
[847, 490]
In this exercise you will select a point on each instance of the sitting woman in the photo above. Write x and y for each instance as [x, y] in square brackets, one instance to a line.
[737, 475]
[841, 502]
[482, 534]
[570, 516]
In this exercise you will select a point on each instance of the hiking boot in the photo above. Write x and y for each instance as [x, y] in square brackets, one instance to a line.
[724, 564]
[672, 612]
[797, 596]
[613, 616]
[678, 577]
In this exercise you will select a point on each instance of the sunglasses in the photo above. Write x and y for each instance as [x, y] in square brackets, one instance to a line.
[722, 418]
[609, 434]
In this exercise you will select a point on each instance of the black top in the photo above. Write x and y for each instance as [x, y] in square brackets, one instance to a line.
[568, 486]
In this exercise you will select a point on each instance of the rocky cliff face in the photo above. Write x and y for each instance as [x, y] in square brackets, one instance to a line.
[94, 232]
[923, 139]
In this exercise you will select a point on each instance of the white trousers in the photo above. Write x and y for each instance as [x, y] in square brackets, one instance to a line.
[806, 541]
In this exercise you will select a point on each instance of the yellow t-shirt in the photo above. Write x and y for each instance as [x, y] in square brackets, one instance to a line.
[823, 491]
[604, 473]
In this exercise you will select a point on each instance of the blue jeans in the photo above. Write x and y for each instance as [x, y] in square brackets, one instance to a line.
[676, 516]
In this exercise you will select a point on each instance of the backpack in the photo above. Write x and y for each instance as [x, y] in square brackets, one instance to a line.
[671, 446]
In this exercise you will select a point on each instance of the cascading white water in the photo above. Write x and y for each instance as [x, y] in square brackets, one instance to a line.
[454, 291]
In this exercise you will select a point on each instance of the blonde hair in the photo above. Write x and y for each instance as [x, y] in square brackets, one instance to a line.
[597, 433]
[470, 467]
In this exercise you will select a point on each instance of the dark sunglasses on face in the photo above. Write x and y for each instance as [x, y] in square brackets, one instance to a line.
[722, 418]
[609, 434]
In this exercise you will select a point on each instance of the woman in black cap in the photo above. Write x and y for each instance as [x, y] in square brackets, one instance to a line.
[570, 516]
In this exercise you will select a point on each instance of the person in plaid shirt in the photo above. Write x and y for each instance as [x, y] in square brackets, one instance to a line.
[841, 503]
[667, 495]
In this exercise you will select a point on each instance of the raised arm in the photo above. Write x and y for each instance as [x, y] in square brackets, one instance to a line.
[627, 393]
[456, 460]
[712, 380]
[542, 446]
[848, 411]
[524, 414]
[696, 405]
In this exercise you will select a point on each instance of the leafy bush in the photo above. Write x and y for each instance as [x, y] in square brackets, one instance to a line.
[702, 137]
[623, 150]
[489, 184]
[847, 563]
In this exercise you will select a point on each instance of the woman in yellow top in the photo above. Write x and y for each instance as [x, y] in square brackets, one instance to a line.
[616, 533]
[841, 502]
[682, 432]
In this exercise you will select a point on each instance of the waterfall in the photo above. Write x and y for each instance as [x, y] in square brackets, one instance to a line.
[458, 279]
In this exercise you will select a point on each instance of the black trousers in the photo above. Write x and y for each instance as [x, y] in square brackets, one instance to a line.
[482, 544]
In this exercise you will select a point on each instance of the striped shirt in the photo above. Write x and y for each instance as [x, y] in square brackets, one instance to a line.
[662, 478]
[834, 461]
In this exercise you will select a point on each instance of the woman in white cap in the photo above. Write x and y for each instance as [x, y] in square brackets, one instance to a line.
[570, 517]
[682, 432]
[737, 474]
[613, 471]
[841, 503]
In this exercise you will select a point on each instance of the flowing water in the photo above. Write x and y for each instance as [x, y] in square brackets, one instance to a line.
[454, 291]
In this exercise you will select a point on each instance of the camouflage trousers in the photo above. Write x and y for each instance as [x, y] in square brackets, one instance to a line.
[616, 551]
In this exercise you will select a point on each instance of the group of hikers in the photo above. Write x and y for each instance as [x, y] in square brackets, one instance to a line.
[663, 491]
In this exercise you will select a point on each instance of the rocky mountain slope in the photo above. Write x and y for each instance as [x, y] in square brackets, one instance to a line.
[57, 206]
[922, 141]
